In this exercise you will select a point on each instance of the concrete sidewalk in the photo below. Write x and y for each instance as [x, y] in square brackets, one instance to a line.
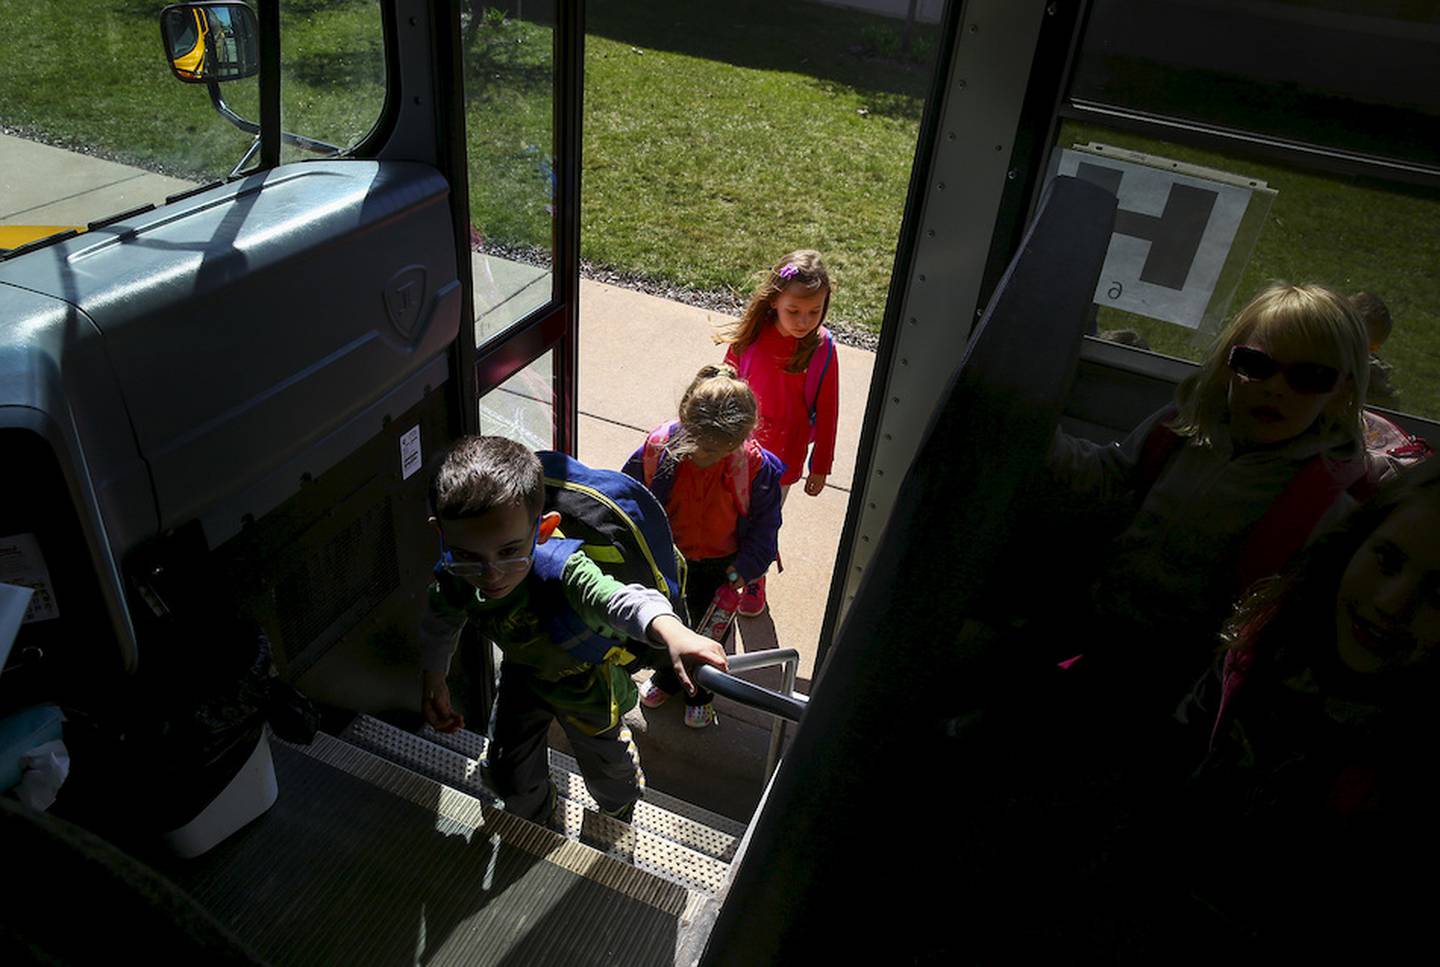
[638, 352]
[45, 186]
[637, 355]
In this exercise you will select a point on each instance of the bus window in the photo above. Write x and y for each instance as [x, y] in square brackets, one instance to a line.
[1355, 233]
[332, 73]
[107, 128]
[1339, 74]
[1312, 121]
[509, 75]
[523, 407]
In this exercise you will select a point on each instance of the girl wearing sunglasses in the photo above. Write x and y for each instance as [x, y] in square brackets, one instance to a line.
[1219, 489]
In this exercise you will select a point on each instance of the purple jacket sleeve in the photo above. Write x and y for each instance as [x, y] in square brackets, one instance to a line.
[757, 534]
[664, 478]
[635, 466]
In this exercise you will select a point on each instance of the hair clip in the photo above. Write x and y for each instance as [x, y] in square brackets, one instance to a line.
[789, 271]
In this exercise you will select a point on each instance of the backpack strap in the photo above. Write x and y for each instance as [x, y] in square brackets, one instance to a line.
[738, 470]
[744, 464]
[565, 628]
[1235, 671]
[746, 360]
[1159, 446]
[1287, 525]
[654, 452]
[550, 557]
[814, 378]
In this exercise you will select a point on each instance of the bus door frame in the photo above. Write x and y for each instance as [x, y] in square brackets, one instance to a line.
[556, 325]
[984, 142]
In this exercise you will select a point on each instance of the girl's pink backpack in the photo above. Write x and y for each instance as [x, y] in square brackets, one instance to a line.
[1389, 448]
[744, 464]
[814, 375]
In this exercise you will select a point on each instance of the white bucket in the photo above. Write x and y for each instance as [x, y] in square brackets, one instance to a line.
[249, 794]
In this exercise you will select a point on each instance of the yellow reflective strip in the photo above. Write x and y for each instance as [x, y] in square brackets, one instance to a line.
[608, 553]
[14, 236]
[618, 656]
[614, 705]
[639, 538]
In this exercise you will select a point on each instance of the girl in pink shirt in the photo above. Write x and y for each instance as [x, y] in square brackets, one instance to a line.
[781, 349]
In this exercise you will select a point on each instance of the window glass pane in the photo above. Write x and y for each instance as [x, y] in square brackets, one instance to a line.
[93, 122]
[509, 130]
[332, 72]
[1341, 73]
[1354, 234]
[523, 407]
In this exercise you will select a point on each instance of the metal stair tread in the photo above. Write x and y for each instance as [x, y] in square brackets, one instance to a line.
[634, 880]
[472, 744]
[648, 849]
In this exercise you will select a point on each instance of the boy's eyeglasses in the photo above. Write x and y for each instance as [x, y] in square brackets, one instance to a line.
[465, 567]
[1247, 362]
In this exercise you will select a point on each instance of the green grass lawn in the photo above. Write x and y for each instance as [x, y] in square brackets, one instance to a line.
[716, 144]
[712, 143]
[93, 76]
[716, 137]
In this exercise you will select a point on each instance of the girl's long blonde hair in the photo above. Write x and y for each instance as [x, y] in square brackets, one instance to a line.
[1314, 321]
[803, 268]
[717, 412]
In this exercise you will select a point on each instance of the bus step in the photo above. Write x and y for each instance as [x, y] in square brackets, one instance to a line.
[675, 846]
[363, 861]
[675, 819]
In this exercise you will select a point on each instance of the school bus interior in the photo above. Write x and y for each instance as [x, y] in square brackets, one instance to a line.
[204, 408]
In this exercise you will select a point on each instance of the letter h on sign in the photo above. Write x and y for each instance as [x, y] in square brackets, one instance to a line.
[1174, 235]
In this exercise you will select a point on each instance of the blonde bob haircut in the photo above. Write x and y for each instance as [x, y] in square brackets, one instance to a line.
[717, 412]
[1310, 322]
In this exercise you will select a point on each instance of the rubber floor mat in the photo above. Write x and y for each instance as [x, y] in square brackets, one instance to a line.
[361, 862]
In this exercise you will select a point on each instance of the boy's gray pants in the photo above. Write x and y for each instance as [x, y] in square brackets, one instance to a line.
[518, 754]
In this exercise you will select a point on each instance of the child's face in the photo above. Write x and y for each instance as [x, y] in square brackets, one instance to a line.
[1387, 611]
[498, 544]
[1271, 410]
[798, 310]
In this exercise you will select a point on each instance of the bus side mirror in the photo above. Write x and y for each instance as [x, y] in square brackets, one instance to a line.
[208, 42]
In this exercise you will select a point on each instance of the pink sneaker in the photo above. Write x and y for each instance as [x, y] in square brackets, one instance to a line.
[718, 618]
[652, 695]
[752, 601]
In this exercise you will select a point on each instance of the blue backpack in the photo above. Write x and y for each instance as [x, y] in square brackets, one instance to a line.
[619, 525]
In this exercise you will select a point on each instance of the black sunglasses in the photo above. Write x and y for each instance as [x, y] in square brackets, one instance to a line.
[1247, 362]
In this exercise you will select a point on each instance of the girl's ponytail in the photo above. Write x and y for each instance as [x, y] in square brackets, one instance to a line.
[710, 372]
[717, 412]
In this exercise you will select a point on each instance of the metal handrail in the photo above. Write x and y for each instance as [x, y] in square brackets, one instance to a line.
[762, 659]
[783, 706]
[748, 693]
